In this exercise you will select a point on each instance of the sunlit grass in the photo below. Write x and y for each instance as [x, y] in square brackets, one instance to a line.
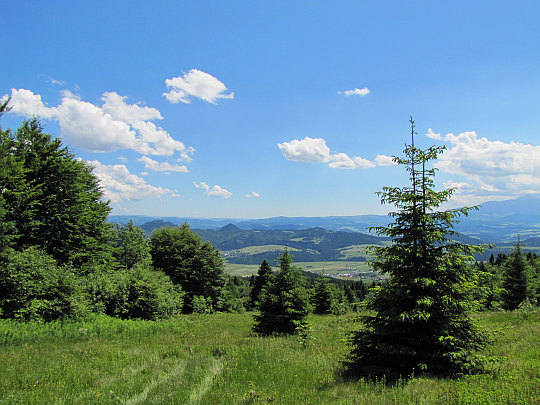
[215, 359]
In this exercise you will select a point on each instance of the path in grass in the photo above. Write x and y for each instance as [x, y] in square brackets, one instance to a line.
[215, 359]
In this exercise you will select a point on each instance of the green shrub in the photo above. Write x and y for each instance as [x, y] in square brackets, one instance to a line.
[34, 287]
[202, 305]
[139, 292]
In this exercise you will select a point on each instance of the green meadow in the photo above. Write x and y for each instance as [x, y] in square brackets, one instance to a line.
[215, 359]
[349, 270]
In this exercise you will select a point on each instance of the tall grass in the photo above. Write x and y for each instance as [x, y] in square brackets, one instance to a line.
[215, 359]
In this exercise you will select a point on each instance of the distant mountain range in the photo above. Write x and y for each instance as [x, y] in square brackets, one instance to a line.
[497, 222]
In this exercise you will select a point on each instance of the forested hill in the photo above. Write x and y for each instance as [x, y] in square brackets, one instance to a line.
[231, 237]
[253, 246]
[496, 222]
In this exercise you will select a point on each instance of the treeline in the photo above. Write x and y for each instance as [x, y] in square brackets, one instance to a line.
[510, 281]
[60, 258]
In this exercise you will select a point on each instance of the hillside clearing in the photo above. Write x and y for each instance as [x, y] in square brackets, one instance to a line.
[215, 359]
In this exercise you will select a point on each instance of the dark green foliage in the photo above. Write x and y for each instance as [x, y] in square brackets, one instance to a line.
[518, 280]
[201, 305]
[236, 295]
[131, 245]
[501, 258]
[193, 264]
[314, 244]
[49, 198]
[418, 321]
[34, 287]
[264, 275]
[139, 292]
[284, 302]
[488, 291]
[150, 294]
[325, 297]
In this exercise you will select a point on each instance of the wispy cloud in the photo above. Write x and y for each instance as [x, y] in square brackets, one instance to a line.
[355, 92]
[253, 194]
[51, 79]
[196, 84]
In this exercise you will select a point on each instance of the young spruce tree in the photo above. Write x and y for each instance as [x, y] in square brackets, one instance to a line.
[417, 321]
[264, 275]
[283, 301]
[518, 280]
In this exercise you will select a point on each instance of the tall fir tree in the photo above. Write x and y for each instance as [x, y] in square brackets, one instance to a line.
[418, 319]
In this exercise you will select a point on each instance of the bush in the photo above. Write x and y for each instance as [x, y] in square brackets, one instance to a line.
[139, 292]
[202, 305]
[34, 287]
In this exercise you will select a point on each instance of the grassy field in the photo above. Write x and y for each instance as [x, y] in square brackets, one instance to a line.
[340, 269]
[214, 359]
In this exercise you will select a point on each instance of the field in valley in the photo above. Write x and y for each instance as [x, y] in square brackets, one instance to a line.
[339, 269]
[215, 359]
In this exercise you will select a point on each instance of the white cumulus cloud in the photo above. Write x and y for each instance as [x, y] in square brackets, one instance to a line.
[316, 150]
[355, 92]
[343, 161]
[119, 184]
[196, 84]
[88, 127]
[215, 191]
[156, 166]
[115, 105]
[384, 160]
[491, 167]
[306, 150]
[433, 135]
[112, 126]
[26, 103]
[253, 194]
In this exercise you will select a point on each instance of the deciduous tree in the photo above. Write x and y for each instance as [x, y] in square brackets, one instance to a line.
[196, 265]
[49, 198]
[131, 245]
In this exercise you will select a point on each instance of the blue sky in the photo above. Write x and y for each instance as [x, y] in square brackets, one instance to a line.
[253, 109]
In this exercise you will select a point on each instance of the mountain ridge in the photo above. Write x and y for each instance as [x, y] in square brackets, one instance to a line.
[496, 222]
